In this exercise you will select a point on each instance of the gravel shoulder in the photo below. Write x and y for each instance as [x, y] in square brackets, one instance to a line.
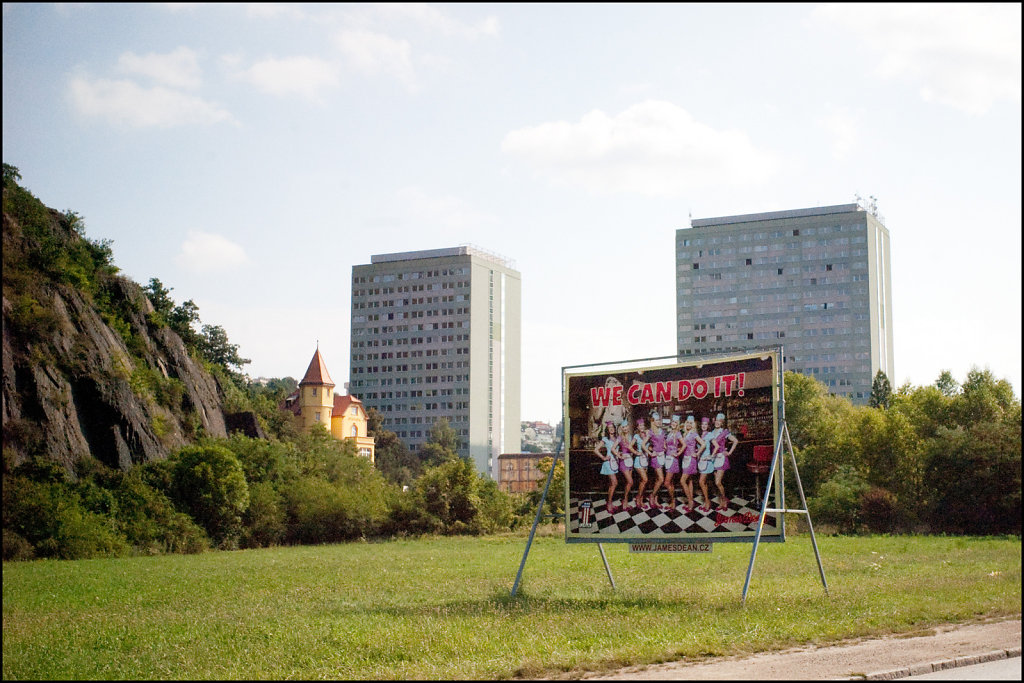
[862, 658]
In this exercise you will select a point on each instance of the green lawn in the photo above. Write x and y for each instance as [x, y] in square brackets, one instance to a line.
[439, 608]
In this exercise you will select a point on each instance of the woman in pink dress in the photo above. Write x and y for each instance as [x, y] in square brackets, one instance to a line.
[705, 464]
[692, 445]
[721, 436]
[656, 445]
[673, 444]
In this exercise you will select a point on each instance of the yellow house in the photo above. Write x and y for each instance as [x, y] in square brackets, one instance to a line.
[341, 414]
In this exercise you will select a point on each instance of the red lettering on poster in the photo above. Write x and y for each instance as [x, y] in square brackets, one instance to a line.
[602, 396]
[662, 392]
[685, 389]
[744, 518]
[700, 388]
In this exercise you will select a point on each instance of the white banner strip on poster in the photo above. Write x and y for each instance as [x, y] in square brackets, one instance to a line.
[671, 547]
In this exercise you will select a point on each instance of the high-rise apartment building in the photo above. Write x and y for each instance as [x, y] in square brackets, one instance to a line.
[814, 280]
[435, 334]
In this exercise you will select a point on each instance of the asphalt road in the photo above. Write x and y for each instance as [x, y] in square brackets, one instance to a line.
[998, 670]
[888, 658]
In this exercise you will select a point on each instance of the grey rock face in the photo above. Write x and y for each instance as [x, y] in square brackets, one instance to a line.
[72, 386]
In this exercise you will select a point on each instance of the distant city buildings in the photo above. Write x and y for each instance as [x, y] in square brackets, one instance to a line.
[815, 280]
[539, 435]
[436, 334]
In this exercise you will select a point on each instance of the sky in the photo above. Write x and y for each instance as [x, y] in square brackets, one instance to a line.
[249, 155]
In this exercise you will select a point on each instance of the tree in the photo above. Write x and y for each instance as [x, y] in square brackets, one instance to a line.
[394, 460]
[444, 435]
[216, 348]
[209, 484]
[181, 319]
[947, 385]
[442, 444]
[555, 502]
[974, 480]
[448, 492]
[11, 175]
[881, 391]
[984, 399]
[374, 422]
[160, 297]
[927, 409]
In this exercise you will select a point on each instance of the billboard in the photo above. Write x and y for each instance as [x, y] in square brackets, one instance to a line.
[674, 451]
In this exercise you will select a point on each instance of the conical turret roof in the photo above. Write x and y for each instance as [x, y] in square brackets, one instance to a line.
[316, 373]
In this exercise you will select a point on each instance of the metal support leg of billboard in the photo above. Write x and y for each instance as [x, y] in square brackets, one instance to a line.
[777, 466]
[536, 521]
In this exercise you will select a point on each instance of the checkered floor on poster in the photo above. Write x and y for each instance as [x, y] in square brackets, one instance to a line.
[741, 515]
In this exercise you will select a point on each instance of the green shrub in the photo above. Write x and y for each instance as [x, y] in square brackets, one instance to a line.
[838, 501]
[32, 318]
[50, 516]
[82, 534]
[16, 547]
[974, 479]
[43, 470]
[264, 522]
[209, 484]
[261, 460]
[462, 501]
[879, 511]
[406, 515]
[147, 517]
[320, 511]
[497, 508]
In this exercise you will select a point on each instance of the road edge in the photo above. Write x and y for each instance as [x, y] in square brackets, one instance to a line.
[927, 668]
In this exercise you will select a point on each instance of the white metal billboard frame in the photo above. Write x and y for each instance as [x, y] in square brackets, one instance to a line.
[776, 466]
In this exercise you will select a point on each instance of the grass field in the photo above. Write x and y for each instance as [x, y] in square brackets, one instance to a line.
[440, 607]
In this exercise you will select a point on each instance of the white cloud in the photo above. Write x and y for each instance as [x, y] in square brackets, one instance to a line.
[179, 6]
[206, 252]
[273, 10]
[304, 76]
[432, 18]
[126, 102]
[964, 56]
[179, 69]
[442, 211]
[652, 148]
[372, 53]
[843, 125]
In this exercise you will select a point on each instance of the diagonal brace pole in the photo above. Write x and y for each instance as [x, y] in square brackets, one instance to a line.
[536, 519]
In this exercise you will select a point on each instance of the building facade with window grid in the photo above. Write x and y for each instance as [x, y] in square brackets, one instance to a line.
[518, 472]
[816, 281]
[435, 334]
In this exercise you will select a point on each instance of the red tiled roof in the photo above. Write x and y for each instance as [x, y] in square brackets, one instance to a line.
[341, 403]
[316, 373]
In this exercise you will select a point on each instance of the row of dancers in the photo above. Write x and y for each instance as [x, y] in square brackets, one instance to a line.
[669, 447]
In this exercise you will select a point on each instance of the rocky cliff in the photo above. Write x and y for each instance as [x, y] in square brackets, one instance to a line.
[87, 366]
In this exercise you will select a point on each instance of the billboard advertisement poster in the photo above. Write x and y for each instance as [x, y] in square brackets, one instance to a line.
[672, 452]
